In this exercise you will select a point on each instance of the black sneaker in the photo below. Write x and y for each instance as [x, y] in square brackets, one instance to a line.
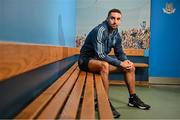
[135, 101]
[96, 104]
[116, 114]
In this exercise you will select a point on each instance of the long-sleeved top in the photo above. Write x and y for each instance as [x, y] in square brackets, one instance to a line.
[99, 43]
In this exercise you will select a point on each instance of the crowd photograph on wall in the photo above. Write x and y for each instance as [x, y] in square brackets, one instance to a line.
[135, 26]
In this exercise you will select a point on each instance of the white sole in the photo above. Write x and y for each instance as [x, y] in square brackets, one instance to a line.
[132, 105]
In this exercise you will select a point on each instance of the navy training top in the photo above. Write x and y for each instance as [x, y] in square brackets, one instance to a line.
[99, 43]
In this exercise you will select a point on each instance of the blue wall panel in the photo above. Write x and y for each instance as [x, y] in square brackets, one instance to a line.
[38, 21]
[1, 5]
[165, 40]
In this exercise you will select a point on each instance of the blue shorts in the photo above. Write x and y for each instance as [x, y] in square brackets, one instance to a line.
[83, 63]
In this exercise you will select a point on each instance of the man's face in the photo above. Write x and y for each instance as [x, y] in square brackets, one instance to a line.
[114, 20]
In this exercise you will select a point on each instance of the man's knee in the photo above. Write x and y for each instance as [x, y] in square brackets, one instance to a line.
[132, 69]
[105, 66]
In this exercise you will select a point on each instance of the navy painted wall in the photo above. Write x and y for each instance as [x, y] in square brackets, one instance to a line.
[38, 21]
[165, 40]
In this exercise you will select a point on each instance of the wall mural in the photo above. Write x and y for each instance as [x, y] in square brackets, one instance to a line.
[135, 26]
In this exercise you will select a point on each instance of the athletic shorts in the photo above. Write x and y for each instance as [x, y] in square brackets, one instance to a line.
[83, 62]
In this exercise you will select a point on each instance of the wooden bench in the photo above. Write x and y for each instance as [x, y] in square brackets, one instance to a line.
[140, 61]
[70, 97]
[134, 52]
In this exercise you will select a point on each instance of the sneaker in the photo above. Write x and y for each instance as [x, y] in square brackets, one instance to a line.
[135, 101]
[96, 104]
[116, 114]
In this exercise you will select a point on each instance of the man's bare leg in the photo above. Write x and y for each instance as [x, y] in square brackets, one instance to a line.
[129, 77]
[134, 100]
[130, 80]
[102, 68]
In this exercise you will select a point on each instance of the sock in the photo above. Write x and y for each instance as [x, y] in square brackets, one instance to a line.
[132, 95]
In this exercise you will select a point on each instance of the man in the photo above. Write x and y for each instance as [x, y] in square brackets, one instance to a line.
[94, 57]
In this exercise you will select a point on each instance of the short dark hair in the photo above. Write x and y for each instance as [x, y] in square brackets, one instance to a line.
[114, 10]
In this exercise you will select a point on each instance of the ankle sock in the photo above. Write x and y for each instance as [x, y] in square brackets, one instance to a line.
[132, 95]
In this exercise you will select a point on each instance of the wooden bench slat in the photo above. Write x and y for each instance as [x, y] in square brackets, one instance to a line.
[53, 108]
[103, 102]
[131, 52]
[88, 109]
[60, 82]
[143, 65]
[71, 106]
[34, 108]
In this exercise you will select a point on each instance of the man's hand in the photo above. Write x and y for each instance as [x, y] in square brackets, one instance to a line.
[127, 64]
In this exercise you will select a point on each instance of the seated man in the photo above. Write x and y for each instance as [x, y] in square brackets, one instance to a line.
[94, 57]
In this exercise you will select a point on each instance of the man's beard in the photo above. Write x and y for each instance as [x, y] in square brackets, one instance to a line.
[114, 26]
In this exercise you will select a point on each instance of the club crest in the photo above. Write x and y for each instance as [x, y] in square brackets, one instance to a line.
[169, 8]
